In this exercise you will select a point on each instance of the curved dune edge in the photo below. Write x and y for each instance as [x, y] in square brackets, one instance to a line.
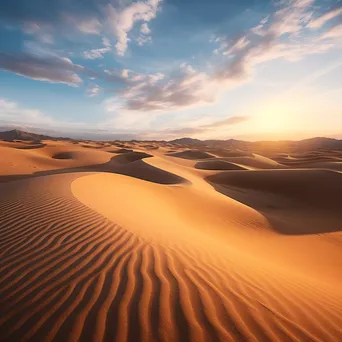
[255, 162]
[296, 202]
[317, 188]
[69, 274]
[207, 220]
[191, 154]
[217, 165]
[168, 211]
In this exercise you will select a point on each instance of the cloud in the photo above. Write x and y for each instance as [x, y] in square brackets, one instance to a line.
[40, 32]
[234, 120]
[142, 40]
[238, 45]
[181, 89]
[10, 112]
[90, 26]
[68, 21]
[48, 68]
[33, 120]
[58, 17]
[121, 21]
[106, 42]
[96, 53]
[145, 29]
[86, 24]
[131, 78]
[94, 90]
[321, 20]
[333, 32]
[278, 36]
[195, 131]
[267, 41]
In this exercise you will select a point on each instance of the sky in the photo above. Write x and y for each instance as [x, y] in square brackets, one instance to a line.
[165, 69]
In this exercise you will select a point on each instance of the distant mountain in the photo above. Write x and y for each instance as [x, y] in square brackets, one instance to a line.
[232, 144]
[16, 134]
[321, 143]
[187, 141]
[224, 145]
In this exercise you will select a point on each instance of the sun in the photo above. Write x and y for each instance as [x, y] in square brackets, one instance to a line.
[274, 119]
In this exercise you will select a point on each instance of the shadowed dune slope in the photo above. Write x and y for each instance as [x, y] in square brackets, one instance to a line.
[217, 165]
[63, 155]
[255, 162]
[139, 169]
[191, 154]
[317, 188]
[120, 150]
[294, 201]
[129, 157]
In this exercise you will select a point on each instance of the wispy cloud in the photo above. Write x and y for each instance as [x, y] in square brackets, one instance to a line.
[234, 120]
[89, 26]
[48, 68]
[93, 90]
[195, 131]
[329, 15]
[278, 36]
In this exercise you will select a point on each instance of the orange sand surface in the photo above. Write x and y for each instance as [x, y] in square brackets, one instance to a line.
[154, 242]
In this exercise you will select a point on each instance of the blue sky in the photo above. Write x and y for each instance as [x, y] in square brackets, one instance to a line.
[157, 69]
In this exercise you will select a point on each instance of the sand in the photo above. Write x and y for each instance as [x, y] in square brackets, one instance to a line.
[103, 244]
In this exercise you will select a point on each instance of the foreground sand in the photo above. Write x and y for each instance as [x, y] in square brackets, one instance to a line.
[99, 243]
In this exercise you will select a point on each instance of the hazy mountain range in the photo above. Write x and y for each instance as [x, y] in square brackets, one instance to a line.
[233, 144]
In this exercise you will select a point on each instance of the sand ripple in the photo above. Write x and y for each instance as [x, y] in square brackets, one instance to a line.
[68, 273]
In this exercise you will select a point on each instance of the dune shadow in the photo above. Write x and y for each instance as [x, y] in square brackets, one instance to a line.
[63, 155]
[217, 164]
[120, 150]
[30, 147]
[191, 154]
[128, 164]
[299, 202]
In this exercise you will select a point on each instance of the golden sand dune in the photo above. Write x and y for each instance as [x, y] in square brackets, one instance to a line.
[145, 247]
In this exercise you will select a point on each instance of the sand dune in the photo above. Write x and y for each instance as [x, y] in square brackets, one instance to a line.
[256, 161]
[139, 246]
[120, 150]
[295, 201]
[129, 157]
[318, 188]
[217, 165]
[192, 154]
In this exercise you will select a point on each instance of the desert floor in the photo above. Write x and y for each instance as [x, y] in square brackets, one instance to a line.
[158, 242]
